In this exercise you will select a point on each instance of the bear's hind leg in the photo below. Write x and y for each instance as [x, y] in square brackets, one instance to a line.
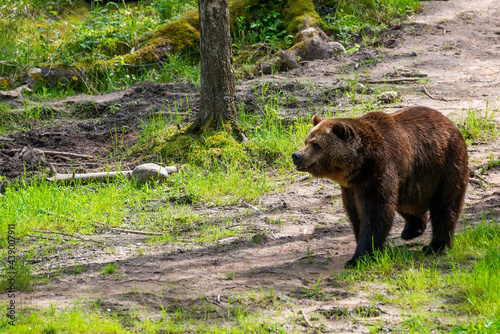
[444, 221]
[415, 225]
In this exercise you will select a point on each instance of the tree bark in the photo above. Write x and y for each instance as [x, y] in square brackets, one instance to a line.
[217, 91]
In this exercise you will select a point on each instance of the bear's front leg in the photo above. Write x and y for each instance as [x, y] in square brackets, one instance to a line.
[350, 206]
[376, 222]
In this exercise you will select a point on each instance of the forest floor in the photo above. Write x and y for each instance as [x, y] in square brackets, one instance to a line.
[452, 47]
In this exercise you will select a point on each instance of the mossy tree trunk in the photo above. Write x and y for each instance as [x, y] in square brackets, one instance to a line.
[217, 91]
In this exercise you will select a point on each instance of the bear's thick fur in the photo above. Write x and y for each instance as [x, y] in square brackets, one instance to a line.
[412, 162]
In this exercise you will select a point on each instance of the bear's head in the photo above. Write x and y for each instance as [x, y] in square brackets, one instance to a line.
[330, 151]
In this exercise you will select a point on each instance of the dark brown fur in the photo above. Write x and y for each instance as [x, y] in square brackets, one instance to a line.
[412, 162]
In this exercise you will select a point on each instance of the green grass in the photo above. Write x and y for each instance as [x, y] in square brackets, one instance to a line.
[109, 269]
[461, 287]
[348, 18]
[478, 126]
[42, 32]
[216, 170]
[458, 292]
[82, 319]
[70, 320]
[39, 32]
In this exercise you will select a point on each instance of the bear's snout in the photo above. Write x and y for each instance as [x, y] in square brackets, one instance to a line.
[296, 158]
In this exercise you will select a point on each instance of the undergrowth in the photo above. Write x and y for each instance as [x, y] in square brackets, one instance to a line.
[46, 33]
[350, 19]
[465, 283]
[478, 126]
[79, 319]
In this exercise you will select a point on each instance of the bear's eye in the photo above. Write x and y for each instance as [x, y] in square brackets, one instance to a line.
[316, 146]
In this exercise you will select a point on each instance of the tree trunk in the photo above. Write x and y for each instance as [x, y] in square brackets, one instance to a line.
[217, 93]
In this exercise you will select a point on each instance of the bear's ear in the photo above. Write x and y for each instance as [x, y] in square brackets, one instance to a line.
[316, 120]
[343, 131]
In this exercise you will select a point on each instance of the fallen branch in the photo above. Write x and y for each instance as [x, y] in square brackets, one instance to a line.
[64, 154]
[391, 80]
[68, 154]
[97, 176]
[432, 97]
[127, 231]
[88, 177]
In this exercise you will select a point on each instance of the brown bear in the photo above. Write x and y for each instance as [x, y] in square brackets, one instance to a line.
[412, 161]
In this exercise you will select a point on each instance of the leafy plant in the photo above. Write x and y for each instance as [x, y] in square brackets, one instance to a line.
[261, 36]
[108, 31]
[170, 9]
[349, 18]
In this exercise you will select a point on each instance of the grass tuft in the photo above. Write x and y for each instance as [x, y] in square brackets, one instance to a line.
[477, 126]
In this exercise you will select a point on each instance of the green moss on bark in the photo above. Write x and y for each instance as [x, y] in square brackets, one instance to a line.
[300, 14]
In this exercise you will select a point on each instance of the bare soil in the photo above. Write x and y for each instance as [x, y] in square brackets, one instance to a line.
[456, 44]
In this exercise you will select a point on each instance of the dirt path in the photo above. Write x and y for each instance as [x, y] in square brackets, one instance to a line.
[457, 45]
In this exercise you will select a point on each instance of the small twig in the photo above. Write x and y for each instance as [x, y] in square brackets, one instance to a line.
[68, 154]
[303, 178]
[3, 62]
[308, 256]
[5, 139]
[391, 80]
[72, 164]
[254, 208]
[168, 113]
[211, 302]
[69, 235]
[128, 231]
[432, 97]
[475, 181]
[475, 178]
[487, 166]
[308, 323]
[51, 134]
[52, 168]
